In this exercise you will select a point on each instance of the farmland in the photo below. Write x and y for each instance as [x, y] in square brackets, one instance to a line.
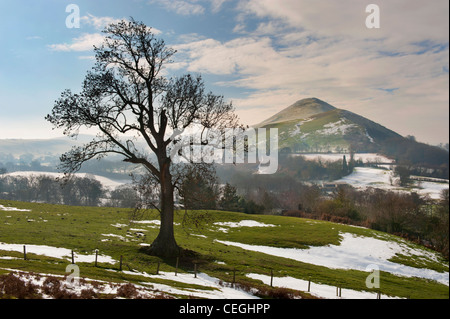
[232, 255]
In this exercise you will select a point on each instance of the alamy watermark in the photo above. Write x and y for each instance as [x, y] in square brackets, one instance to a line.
[228, 146]
[373, 19]
[373, 280]
[73, 19]
[73, 279]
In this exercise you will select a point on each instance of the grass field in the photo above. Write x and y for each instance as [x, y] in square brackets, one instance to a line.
[221, 254]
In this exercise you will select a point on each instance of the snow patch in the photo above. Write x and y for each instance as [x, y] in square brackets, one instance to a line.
[364, 177]
[13, 209]
[369, 137]
[297, 131]
[316, 289]
[215, 289]
[56, 252]
[244, 223]
[354, 252]
[334, 128]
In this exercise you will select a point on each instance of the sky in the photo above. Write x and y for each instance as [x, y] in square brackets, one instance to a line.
[263, 55]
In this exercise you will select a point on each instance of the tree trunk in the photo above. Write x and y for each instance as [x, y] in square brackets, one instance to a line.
[165, 245]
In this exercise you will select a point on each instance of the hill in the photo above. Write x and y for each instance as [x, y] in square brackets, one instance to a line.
[234, 258]
[300, 110]
[312, 126]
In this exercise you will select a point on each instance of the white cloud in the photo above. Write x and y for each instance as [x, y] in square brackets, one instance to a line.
[34, 37]
[85, 42]
[87, 57]
[303, 48]
[216, 5]
[190, 7]
[98, 22]
[410, 20]
[181, 7]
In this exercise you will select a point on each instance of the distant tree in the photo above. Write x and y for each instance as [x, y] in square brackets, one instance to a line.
[229, 200]
[199, 187]
[403, 173]
[49, 190]
[309, 197]
[250, 207]
[90, 191]
[440, 227]
[268, 202]
[344, 166]
[123, 196]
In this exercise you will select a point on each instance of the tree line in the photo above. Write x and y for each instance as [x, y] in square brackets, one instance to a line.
[77, 191]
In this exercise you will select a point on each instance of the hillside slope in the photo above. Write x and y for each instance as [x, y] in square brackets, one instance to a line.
[228, 247]
[299, 110]
[312, 125]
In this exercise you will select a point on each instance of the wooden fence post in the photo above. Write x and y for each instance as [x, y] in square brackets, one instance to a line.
[195, 270]
[24, 253]
[96, 254]
[271, 278]
[309, 285]
[234, 277]
[73, 261]
[120, 265]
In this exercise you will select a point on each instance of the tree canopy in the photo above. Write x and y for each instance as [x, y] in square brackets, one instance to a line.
[130, 101]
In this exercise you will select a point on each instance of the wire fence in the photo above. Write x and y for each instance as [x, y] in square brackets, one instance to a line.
[195, 271]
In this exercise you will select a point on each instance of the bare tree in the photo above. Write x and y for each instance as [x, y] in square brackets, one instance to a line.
[127, 98]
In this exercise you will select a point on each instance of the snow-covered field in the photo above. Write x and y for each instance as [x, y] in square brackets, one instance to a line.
[76, 286]
[363, 177]
[106, 182]
[332, 157]
[354, 252]
[214, 289]
[316, 289]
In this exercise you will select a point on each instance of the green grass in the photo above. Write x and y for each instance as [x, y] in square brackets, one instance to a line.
[311, 140]
[83, 228]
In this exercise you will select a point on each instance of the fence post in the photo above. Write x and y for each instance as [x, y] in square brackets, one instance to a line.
[195, 270]
[271, 278]
[24, 253]
[234, 277]
[309, 285]
[73, 261]
[96, 254]
[120, 265]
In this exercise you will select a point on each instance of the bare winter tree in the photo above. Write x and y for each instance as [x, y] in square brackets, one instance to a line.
[127, 98]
